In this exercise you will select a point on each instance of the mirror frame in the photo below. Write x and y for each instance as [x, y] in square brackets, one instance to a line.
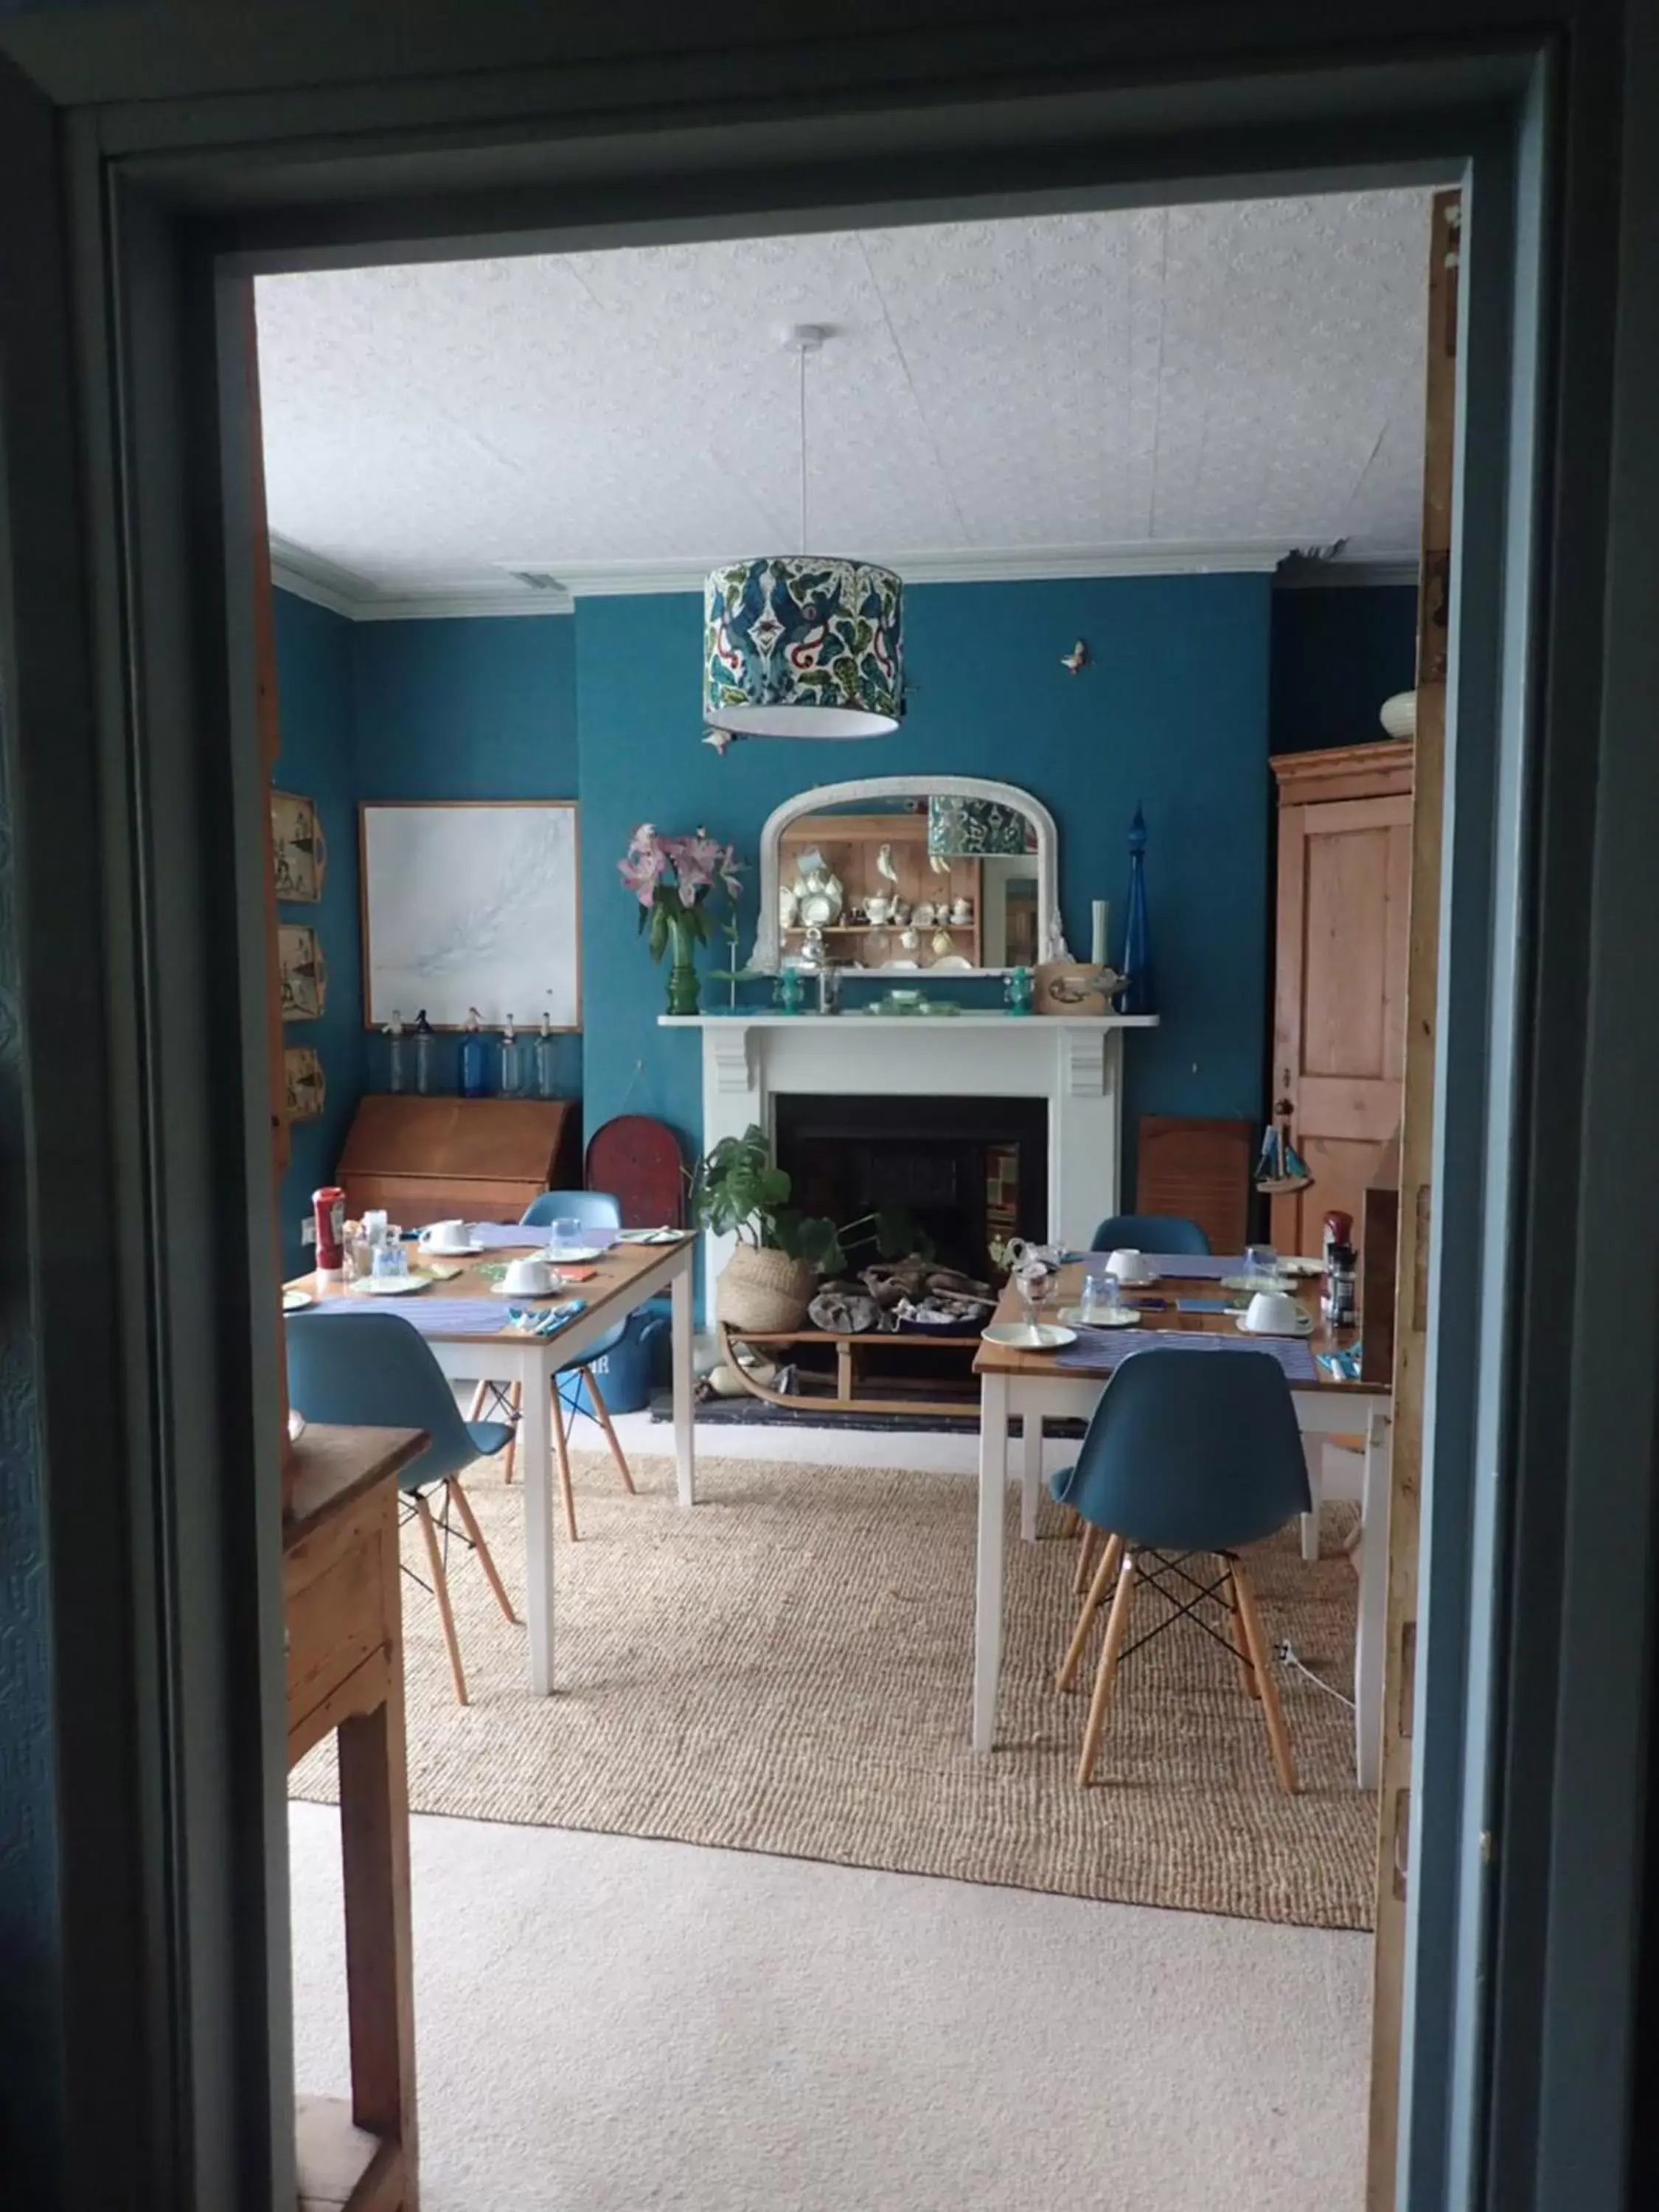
[766, 955]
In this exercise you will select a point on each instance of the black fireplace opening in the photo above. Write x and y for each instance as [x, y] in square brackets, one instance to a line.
[969, 1171]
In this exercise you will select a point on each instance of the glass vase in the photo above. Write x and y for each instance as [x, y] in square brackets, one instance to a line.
[681, 971]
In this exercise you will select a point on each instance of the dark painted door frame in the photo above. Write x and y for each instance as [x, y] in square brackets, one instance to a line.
[1531, 1480]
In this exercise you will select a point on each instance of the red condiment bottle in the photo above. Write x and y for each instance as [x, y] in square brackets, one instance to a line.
[328, 1210]
[1339, 1229]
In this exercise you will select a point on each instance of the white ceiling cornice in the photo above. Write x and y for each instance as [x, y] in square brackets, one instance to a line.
[310, 576]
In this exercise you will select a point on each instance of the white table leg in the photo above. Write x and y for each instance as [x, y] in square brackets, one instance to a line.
[1371, 1629]
[987, 1589]
[686, 1466]
[1030, 1472]
[536, 1474]
[1313, 1451]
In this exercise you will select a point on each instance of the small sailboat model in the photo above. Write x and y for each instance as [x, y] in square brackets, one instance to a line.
[1280, 1170]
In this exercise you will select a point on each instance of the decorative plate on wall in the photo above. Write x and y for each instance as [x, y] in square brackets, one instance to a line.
[298, 851]
[302, 1073]
[303, 972]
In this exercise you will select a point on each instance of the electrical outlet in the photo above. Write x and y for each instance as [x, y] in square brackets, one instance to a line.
[308, 1230]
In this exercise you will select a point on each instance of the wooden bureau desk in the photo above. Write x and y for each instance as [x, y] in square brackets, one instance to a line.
[345, 1675]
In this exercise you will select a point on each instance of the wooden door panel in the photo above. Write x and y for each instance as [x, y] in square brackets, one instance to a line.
[1344, 946]
[1340, 1169]
[1345, 1106]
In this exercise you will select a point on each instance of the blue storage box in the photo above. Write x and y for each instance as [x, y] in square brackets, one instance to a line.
[627, 1371]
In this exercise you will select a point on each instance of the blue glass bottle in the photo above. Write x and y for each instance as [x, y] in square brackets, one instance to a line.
[475, 1060]
[1136, 997]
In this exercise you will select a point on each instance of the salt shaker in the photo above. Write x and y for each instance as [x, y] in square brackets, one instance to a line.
[1339, 1286]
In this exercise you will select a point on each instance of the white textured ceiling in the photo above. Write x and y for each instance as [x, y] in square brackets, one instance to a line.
[1238, 375]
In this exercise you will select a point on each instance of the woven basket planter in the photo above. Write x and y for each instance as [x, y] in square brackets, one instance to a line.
[762, 1290]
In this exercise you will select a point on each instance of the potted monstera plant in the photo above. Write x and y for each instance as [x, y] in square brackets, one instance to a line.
[769, 1280]
[737, 1191]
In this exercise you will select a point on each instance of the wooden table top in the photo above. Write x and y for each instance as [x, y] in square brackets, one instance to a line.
[615, 1274]
[331, 1466]
[1000, 1359]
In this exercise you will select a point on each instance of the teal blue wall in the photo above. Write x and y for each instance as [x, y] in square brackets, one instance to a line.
[1338, 651]
[475, 708]
[1171, 712]
[1191, 682]
[314, 704]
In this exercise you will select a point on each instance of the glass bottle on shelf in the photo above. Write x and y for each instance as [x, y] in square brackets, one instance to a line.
[545, 1059]
[509, 1086]
[422, 1054]
[474, 1059]
[394, 1052]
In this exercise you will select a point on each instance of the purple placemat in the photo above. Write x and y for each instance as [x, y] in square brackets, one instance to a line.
[1100, 1351]
[432, 1316]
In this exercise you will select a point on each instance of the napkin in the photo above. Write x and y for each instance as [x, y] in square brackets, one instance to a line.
[543, 1321]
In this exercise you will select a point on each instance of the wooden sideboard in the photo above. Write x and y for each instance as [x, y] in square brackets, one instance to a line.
[482, 1159]
[345, 1677]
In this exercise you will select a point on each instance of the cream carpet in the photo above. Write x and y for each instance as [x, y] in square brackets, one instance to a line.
[606, 2026]
[786, 1670]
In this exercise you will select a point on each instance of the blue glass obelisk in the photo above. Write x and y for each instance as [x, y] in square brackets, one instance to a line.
[1136, 996]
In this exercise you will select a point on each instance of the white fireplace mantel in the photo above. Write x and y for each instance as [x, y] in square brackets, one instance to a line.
[1076, 1064]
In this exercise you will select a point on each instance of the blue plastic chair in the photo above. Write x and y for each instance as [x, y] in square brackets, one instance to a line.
[1188, 1452]
[575, 1379]
[1149, 1232]
[376, 1370]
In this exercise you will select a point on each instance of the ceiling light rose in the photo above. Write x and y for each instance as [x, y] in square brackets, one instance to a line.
[804, 645]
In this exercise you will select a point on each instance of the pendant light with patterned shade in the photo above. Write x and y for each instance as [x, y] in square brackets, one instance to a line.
[801, 645]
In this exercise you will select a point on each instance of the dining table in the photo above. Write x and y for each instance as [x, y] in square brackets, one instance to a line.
[1067, 1382]
[464, 1316]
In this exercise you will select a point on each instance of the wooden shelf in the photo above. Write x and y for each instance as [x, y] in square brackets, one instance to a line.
[868, 929]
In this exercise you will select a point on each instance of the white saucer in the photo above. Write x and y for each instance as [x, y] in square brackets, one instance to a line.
[1114, 1317]
[500, 1290]
[574, 1252]
[1303, 1267]
[1022, 1336]
[1306, 1328]
[390, 1287]
[1134, 1282]
[1283, 1283]
[449, 1251]
[296, 1301]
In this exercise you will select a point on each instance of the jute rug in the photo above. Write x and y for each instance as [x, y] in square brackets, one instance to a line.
[787, 1669]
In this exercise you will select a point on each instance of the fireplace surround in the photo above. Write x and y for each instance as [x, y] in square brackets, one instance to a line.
[752, 1061]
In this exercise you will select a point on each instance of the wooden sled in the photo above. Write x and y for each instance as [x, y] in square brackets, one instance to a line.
[844, 1398]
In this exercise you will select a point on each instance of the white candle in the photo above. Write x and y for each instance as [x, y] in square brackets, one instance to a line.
[1097, 953]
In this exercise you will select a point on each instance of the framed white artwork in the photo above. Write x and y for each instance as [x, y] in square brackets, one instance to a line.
[470, 903]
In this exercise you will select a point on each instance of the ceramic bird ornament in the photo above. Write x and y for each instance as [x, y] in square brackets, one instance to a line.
[1077, 660]
[719, 739]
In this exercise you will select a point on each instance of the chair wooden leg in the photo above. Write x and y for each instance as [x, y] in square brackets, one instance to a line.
[475, 1411]
[510, 1450]
[1236, 1630]
[1099, 1590]
[1250, 1619]
[1116, 1629]
[441, 1591]
[561, 1446]
[1085, 1558]
[602, 1414]
[475, 1536]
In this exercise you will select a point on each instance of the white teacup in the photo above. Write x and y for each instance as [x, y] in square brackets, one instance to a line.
[1129, 1267]
[445, 1236]
[529, 1276]
[1274, 1312]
